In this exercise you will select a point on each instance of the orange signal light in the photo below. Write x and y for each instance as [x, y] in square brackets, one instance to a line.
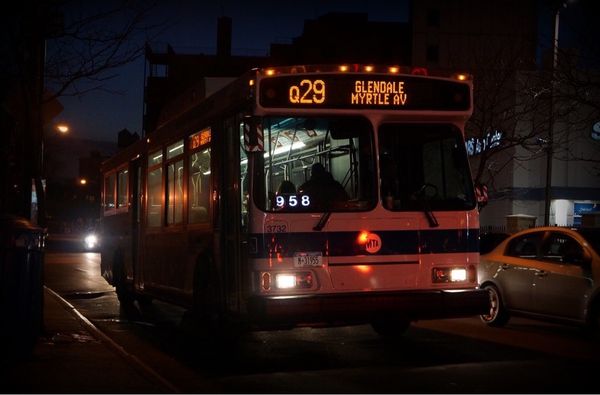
[363, 237]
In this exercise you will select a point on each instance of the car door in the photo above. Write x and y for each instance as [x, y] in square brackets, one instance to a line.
[562, 283]
[515, 272]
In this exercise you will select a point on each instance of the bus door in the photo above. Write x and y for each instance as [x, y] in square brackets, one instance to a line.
[231, 217]
[135, 197]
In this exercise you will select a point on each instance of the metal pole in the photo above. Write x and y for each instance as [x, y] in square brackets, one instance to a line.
[550, 147]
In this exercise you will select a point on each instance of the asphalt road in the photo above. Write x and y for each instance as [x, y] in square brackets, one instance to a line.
[442, 356]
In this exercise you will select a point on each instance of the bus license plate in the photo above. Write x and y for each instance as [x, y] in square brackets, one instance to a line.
[308, 259]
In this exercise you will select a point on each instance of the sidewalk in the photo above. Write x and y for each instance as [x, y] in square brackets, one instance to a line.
[73, 357]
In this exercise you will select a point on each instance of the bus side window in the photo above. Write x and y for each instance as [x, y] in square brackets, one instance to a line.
[122, 188]
[154, 189]
[109, 192]
[199, 186]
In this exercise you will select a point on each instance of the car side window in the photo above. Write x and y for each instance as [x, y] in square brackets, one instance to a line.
[525, 246]
[559, 247]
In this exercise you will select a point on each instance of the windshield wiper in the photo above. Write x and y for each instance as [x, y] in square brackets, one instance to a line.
[433, 222]
[322, 221]
[421, 194]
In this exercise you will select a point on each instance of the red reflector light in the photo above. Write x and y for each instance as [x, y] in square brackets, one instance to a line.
[419, 71]
[266, 281]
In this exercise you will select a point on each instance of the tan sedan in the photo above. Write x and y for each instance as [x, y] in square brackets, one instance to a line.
[549, 273]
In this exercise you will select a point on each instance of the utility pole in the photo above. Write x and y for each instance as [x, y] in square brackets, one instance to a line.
[550, 146]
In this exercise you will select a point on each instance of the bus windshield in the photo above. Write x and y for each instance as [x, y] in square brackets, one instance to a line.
[424, 167]
[315, 165]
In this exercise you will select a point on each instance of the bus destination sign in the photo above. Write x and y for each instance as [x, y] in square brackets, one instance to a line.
[339, 91]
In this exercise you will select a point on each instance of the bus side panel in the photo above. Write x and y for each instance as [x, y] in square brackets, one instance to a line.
[164, 268]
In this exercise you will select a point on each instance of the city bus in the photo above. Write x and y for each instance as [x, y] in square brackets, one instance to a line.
[313, 195]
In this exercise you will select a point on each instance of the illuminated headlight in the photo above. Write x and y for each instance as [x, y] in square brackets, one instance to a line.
[453, 274]
[91, 241]
[285, 281]
[458, 274]
[300, 280]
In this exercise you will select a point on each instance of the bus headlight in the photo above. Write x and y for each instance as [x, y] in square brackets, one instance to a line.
[286, 281]
[452, 274]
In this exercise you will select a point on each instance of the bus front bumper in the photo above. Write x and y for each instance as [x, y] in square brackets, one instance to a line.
[363, 307]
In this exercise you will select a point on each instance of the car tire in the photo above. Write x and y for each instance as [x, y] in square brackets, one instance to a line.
[498, 316]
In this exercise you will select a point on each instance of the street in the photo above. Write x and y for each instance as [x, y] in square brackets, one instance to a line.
[443, 356]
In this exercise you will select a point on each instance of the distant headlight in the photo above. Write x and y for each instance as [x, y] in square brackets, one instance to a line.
[91, 241]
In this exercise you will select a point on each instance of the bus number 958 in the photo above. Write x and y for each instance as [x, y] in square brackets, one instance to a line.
[292, 201]
[308, 92]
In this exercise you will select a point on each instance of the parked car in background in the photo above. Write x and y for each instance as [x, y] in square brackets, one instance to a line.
[548, 273]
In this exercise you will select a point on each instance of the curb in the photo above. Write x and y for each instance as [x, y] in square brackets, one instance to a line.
[146, 370]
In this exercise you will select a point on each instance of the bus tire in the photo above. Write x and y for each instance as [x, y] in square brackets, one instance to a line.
[498, 316]
[124, 294]
[390, 327]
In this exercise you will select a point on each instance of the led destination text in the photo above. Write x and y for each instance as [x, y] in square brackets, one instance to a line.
[379, 93]
[339, 91]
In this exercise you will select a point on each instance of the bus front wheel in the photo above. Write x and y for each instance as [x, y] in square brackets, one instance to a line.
[123, 293]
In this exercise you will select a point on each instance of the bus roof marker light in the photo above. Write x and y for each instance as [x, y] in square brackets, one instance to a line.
[394, 69]
[343, 68]
[462, 77]
[369, 69]
[270, 72]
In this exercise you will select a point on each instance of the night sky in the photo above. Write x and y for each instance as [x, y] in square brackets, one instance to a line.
[191, 28]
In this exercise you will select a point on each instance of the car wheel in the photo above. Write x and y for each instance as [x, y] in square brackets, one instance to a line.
[390, 328]
[498, 316]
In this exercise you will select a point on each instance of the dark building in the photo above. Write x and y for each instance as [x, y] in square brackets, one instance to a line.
[349, 38]
[175, 82]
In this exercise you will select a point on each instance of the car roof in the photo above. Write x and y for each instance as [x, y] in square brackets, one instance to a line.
[575, 232]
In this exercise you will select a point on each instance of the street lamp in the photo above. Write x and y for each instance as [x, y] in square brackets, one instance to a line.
[62, 128]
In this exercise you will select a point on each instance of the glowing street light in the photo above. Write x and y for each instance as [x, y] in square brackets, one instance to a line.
[62, 128]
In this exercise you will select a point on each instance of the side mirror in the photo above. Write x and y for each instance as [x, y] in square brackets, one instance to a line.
[481, 194]
[253, 135]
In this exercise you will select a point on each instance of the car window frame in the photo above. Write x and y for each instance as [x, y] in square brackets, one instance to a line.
[539, 237]
[546, 239]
